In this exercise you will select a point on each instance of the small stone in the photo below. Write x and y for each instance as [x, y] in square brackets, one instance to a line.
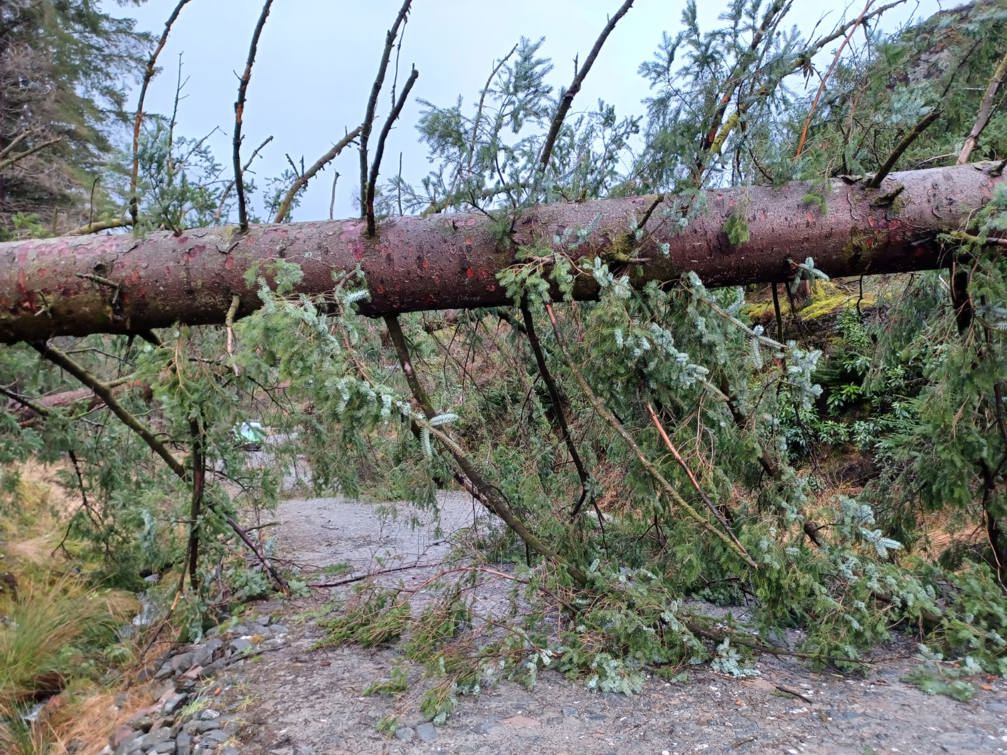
[201, 656]
[183, 744]
[193, 673]
[229, 751]
[240, 645]
[212, 668]
[215, 736]
[404, 733]
[209, 714]
[427, 732]
[198, 727]
[182, 662]
[143, 721]
[173, 703]
[185, 684]
[121, 735]
[238, 630]
[157, 737]
[570, 712]
[164, 671]
[130, 744]
[279, 629]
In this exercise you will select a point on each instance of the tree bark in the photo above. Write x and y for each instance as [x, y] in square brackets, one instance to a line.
[123, 284]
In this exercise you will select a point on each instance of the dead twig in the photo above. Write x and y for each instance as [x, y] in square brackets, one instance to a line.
[378, 573]
[230, 186]
[714, 509]
[148, 76]
[380, 151]
[825, 79]
[372, 101]
[302, 180]
[239, 111]
[567, 99]
[985, 111]
[901, 147]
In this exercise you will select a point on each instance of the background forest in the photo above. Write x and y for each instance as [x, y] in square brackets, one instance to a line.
[830, 455]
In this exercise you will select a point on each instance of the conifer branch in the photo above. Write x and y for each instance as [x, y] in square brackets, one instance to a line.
[20, 137]
[825, 79]
[239, 112]
[662, 482]
[198, 434]
[105, 393]
[487, 494]
[717, 511]
[97, 226]
[27, 403]
[13, 159]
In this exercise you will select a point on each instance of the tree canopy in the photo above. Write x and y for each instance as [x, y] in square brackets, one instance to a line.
[64, 71]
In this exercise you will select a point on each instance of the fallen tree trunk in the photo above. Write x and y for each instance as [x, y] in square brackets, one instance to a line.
[123, 284]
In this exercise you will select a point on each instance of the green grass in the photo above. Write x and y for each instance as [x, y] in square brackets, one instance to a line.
[46, 634]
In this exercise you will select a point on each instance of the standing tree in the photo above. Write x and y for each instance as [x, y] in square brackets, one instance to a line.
[64, 68]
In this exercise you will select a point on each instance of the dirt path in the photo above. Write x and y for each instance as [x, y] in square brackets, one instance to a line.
[296, 700]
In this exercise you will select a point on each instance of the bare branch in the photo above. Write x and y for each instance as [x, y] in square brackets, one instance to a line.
[98, 226]
[148, 75]
[230, 186]
[825, 79]
[239, 111]
[372, 102]
[985, 111]
[303, 178]
[567, 100]
[902, 146]
[9, 161]
[380, 151]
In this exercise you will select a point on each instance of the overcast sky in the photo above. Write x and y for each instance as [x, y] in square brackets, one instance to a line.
[317, 60]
